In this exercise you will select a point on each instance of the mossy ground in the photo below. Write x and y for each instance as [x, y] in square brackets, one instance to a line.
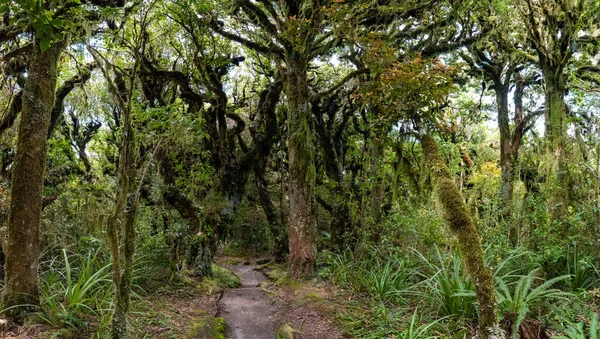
[207, 327]
[285, 331]
[312, 304]
[183, 307]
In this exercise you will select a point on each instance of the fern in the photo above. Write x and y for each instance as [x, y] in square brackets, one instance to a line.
[523, 297]
[577, 331]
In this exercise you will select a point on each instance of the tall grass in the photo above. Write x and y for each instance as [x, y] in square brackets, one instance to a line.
[385, 277]
[583, 273]
[70, 292]
[448, 289]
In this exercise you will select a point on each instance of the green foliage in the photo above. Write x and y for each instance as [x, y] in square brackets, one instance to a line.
[70, 292]
[226, 278]
[449, 289]
[584, 274]
[516, 302]
[420, 332]
[414, 225]
[578, 330]
[388, 280]
[387, 277]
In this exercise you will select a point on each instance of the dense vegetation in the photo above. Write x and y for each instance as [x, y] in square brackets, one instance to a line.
[439, 159]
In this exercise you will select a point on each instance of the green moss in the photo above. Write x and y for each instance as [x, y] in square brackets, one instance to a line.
[225, 278]
[222, 278]
[454, 212]
[285, 332]
[280, 275]
[314, 297]
[207, 327]
[62, 333]
[234, 261]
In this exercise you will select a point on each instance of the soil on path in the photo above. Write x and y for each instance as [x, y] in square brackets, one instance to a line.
[260, 306]
[248, 311]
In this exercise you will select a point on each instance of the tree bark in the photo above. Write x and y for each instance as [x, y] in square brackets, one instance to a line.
[279, 240]
[377, 187]
[22, 247]
[122, 241]
[120, 225]
[555, 139]
[456, 216]
[302, 223]
[506, 153]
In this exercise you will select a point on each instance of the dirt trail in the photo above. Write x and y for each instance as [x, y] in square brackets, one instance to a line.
[248, 312]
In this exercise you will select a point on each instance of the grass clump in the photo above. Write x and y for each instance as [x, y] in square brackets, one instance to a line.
[222, 278]
[225, 278]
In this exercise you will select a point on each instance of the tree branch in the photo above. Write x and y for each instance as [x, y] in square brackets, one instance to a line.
[342, 82]
[245, 42]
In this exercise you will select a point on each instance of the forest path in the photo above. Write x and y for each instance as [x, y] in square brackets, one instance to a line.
[248, 311]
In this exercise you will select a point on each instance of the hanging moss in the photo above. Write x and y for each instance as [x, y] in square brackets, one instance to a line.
[453, 210]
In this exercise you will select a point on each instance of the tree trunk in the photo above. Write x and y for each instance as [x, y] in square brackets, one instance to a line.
[120, 225]
[22, 247]
[279, 241]
[202, 252]
[454, 212]
[302, 223]
[122, 241]
[555, 141]
[506, 153]
[376, 189]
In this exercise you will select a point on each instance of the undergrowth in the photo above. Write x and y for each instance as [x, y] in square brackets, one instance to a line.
[397, 294]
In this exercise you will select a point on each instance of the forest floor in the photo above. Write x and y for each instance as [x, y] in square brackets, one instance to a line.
[267, 304]
[276, 307]
[248, 312]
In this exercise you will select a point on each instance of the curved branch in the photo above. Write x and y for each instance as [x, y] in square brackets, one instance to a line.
[342, 82]
[245, 42]
[13, 111]
[63, 92]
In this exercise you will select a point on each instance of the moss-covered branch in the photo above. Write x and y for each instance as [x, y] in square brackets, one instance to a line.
[456, 216]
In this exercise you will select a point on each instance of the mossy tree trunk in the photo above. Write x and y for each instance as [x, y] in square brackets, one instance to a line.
[331, 139]
[22, 247]
[302, 223]
[456, 216]
[507, 158]
[377, 187]
[556, 133]
[553, 42]
[121, 224]
[279, 240]
[265, 132]
[120, 230]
